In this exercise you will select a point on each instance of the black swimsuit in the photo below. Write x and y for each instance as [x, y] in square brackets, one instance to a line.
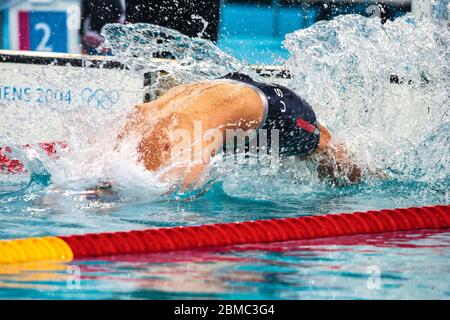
[290, 114]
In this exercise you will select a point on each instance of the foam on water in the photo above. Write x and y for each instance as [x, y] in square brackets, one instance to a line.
[197, 59]
[342, 67]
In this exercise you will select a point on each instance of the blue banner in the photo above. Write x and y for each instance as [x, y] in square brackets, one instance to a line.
[48, 31]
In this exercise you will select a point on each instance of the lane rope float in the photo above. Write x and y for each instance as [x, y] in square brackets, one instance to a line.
[67, 248]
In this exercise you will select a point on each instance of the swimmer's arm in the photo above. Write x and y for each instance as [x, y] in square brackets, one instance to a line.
[137, 117]
[192, 176]
[336, 163]
[237, 112]
[191, 168]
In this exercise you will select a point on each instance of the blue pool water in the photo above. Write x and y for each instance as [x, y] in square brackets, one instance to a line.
[410, 267]
[409, 264]
[400, 129]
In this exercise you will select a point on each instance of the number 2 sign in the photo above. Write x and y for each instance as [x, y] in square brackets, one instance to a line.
[43, 31]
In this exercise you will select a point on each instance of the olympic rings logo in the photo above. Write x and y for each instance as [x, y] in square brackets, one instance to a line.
[100, 98]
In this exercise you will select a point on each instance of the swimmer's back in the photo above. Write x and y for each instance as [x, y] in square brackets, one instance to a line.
[210, 104]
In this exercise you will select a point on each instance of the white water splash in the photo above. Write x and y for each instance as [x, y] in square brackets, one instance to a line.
[342, 67]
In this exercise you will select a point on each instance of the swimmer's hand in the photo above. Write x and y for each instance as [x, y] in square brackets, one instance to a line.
[337, 166]
[185, 177]
[102, 191]
[335, 162]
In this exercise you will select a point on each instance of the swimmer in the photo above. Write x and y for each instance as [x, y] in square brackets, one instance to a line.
[234, 102]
